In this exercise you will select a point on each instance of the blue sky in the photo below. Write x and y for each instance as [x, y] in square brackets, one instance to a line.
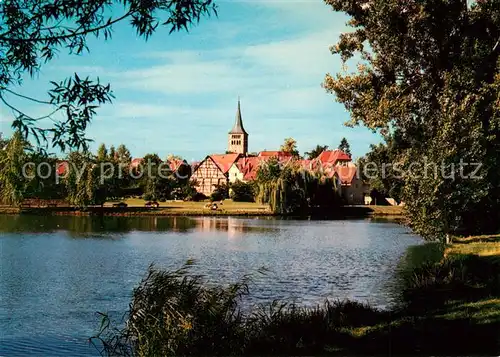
[178, 93]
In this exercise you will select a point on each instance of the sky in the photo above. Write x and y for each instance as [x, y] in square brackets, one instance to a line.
[177, 93]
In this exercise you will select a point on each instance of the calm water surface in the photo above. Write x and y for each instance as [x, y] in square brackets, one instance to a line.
[56, 272]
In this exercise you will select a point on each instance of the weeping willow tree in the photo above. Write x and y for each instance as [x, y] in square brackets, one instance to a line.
[81, 180]
[26, 172]
[12, 160]
[293, 189]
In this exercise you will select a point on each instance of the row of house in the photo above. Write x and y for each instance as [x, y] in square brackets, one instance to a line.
[229, 168]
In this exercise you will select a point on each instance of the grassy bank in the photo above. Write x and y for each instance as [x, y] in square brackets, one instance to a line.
[135, 207]
[449, 306]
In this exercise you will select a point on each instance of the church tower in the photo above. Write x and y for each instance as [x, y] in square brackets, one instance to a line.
[238, 137]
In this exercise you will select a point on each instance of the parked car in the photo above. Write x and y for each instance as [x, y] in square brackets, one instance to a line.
[120, 205]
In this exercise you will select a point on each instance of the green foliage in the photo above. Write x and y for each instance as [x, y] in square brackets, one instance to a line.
[80, 181]
[175, 313]
[293, 190]
[157, 181]
[221, 192]
[32, 32]
[178, 313]
[112, 154]
[380, 168]
[468, 277]
[314, 153]
[242, 192]
[102, 153]
[290, 146]
[344, 146]
[12, 160]
[185, 191]
[91, 180]
[269, 170]
[430, 76]
[123, 155]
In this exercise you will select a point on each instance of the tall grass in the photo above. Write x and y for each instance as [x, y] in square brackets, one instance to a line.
[178, 313]
[458, 277]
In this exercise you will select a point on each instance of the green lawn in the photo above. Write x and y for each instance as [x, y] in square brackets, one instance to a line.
[485, 245]
[189, 207]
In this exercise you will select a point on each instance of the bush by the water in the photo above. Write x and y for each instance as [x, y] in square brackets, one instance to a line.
[242, 192]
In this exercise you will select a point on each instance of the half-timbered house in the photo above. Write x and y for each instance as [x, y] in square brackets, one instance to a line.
[213, 171]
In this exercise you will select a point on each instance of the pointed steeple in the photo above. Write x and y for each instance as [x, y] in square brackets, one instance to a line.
[238, 124]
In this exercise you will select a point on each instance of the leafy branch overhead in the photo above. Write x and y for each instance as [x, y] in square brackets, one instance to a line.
[32, 32]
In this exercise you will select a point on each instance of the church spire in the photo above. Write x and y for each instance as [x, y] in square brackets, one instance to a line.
[238, 124]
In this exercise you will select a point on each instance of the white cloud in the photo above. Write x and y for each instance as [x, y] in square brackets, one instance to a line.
[259, 68]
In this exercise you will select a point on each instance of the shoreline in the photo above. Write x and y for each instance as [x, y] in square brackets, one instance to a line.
[344, 212]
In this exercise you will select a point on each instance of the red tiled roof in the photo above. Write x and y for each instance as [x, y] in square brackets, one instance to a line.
[248, 166]
[225, 161]
[346, 174]
[332, 156]
[306, 164]
[274, 153]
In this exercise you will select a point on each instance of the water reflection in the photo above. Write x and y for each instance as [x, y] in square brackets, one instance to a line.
[106, 226]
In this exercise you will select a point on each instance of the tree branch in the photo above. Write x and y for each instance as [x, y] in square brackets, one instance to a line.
[26, 97]
[66, 36]
[14, 109]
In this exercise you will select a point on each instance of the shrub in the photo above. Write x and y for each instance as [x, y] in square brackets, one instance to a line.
[242, 192]
[220, 193]
[185, 192]
[196, 197]
[176, 313]
[463, 277]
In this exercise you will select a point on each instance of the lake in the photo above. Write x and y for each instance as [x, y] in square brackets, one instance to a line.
[56, 272]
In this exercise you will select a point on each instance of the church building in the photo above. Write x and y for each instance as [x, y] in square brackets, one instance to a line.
[214, 169]
[238, 137]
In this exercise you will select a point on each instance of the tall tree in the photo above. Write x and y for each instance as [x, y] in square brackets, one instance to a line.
[33, 31]
[102, 153]
[157, 180]
[290, 146]
[112, 154]
[379, 167]
[430, 70]
[344, 146]
[123, 154]
[314, 153]
[80, 181]
[12, 178]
